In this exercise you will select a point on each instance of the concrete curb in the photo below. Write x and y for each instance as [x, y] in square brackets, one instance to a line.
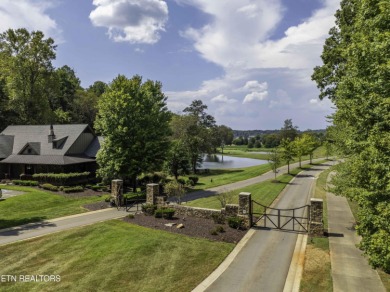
[295, 271]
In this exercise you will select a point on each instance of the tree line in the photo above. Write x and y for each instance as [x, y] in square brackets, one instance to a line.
[32, 91]
[355, 76]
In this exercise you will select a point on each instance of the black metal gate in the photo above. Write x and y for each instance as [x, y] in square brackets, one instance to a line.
[296, 219]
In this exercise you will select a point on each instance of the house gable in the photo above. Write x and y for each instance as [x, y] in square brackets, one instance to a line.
[31, 149]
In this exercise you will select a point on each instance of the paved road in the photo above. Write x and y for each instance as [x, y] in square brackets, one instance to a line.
[31, 230]
[263, 263]
[240, 184]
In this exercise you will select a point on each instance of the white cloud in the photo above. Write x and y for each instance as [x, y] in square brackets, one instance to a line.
[259, 67]
[238, 36]
[254, 85]
[255, 96]
[223, 99]
[134, 21]
[29, 14]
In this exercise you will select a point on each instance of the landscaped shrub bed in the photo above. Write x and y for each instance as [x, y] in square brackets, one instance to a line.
[49, 187]
[236, 222]
[62, 178]
[75, 189]
[148, 209]
[19, 182]
[166, 213]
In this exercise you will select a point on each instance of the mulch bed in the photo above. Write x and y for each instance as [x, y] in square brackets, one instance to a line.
[194, 227]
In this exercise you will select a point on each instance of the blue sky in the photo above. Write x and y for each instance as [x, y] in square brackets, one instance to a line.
[250, 61]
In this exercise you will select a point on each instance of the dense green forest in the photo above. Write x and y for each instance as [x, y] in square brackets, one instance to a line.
[355, 76]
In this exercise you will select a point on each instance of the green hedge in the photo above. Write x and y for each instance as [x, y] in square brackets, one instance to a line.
[166, 213]
[61, 178]
[49, 187]
[75, 189]
[25, 182]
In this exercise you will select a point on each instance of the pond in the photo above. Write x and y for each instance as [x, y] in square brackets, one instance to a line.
[215, 161]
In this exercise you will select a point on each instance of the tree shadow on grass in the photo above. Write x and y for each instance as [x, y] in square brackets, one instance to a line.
[22, 224]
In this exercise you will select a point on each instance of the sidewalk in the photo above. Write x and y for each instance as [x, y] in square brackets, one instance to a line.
[350, 269]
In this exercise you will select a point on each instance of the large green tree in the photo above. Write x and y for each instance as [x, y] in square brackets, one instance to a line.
[355, 76]
[134, 120]
[195, 129]
[25, 65]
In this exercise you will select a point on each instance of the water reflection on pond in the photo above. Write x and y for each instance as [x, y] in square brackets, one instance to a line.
[215, 161]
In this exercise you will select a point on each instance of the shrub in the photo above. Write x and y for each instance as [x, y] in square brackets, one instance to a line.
[148, 209]
[195, 179]
[190, 183]
[166, 213]
[218, 218]
[61, 178]
[25, 182]
[181, 181]
[236, 222]
[130, 216]
[75, 189]
[50, 187]
[135, 196]
[96, 187]
[214, 232]
[220, 229]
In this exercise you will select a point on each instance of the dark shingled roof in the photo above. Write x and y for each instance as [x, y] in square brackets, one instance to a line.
[39, 134]
[46, 159]
[71, 144]
[6, 145]
[94, 147]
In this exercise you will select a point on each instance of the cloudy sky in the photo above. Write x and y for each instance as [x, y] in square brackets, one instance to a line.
[250, 61]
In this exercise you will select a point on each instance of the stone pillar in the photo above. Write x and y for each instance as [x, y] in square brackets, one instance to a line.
[245, 206]
[316, 217]
[152, 191]
[117, 191]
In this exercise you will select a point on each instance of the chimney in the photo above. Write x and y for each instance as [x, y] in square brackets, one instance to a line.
[51, 136]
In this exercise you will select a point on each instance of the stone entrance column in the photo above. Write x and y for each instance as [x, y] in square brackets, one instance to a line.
[117, 191]
[316, 226]
[245, 206]
[152, 191]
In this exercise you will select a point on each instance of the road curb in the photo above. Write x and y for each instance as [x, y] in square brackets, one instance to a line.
[295, 271]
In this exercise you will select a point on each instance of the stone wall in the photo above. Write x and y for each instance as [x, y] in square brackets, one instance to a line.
[196, 212]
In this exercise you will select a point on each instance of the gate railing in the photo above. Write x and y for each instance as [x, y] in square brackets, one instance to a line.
[274, 216]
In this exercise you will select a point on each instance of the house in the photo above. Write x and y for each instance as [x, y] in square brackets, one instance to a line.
[47, 148]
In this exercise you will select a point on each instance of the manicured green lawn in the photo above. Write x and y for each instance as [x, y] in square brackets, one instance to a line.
[37, 205]
[317, 274]
[218, 177]
[248, 153]
[263, 193]
[112, 256]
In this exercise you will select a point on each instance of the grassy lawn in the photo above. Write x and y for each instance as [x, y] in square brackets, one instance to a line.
[112, 256]
[264, 192]
[248, 153]
[218, 177]
[317, 269]
[37, 205]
